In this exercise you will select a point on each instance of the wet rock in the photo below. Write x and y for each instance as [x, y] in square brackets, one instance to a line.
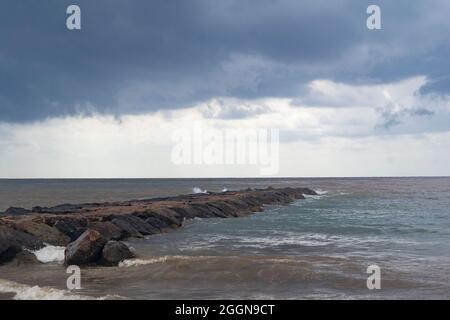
[186, 211]
[14, 211]
[118, 220]
[24, 258]
[206, 211]
[114, 252]
[174, 219]
[251, 201]
[127, 229]
[7, 295]
[12, 242]
[87, 249]
[72, 228]
[228, 210]
[308, 192]
[140, 225]
[236, 211]
[157, 221]
[43, 232]
[107, 229]
[59, 209]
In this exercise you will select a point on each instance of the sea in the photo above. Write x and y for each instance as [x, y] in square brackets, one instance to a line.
[329, 246]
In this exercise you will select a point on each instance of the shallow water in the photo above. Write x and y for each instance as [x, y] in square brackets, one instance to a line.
[317, 248]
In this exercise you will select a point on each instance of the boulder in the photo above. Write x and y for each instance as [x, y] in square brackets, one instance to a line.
[308, 191]
[139, 224]
[87, 249]
[157, 221]
[24, 257]
[44, 232]
[59, 209]
[173, 218]
[71, 228]
[114, 252]
[8, 250]
[12, 242]
[127, 229]
[14, 211]
[107, 229]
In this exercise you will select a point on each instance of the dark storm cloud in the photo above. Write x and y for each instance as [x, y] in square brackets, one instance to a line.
[137, 56]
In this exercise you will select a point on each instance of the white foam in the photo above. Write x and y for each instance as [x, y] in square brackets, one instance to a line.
[141, 262]
[50, 254]
[310, 196]
[198, 190]
[224, 190]
[309, 239]
[26, 292]
[321, 192]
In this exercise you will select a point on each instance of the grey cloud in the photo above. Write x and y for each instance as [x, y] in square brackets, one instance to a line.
[220, 109]
[390, 118]
[421, 112]
[140, 56]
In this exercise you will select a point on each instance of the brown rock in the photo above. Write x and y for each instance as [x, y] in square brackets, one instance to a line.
[73, 228]
[24, 258]
[114, 252]
[43, 232]
[86, 249]
[12, 242]
[107, 229]
[127, 229]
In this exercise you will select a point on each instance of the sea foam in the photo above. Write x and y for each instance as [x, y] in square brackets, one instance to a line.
[321, 192]
[50, 254]
[198, 190]
[26, 292]
[162, 259]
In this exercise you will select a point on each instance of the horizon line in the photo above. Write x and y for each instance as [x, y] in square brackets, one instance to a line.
[248, 177]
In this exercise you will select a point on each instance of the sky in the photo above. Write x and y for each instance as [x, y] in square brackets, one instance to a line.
[106, 100]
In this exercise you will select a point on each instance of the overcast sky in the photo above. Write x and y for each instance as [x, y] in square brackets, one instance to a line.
[103, 101]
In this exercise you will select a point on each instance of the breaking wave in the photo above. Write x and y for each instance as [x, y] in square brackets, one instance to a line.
[163, 259]
[319, 194]
[199, 190]
[50, 254]
[26, 292]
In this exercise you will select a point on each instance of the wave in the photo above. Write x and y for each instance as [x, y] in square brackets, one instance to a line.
[199, 190]
[26, 292]
[310, 196]
[140, 262]
[50, 253]
[164, 259]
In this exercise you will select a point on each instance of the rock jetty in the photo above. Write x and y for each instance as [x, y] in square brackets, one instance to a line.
[92, 232]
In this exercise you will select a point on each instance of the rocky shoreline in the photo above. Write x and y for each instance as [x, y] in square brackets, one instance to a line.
[92, 232]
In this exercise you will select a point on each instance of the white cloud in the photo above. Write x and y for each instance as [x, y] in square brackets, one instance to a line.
[318, 138]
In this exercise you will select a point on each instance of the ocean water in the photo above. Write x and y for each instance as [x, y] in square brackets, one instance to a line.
[316, 248]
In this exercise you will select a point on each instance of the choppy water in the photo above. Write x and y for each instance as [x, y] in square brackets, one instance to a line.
[318, 248]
